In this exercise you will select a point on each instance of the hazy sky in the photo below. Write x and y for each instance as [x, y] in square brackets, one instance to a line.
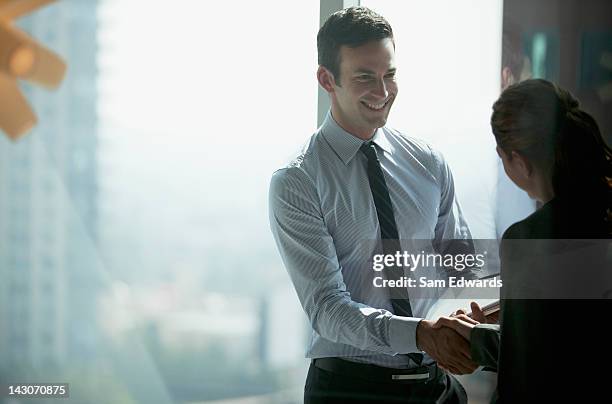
[198, 106]
[201, 101]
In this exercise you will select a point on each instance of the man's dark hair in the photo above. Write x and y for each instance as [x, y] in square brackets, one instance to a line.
[352, 27]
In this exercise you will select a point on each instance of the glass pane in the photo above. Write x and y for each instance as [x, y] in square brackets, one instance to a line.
[448, 57]
[135, 252]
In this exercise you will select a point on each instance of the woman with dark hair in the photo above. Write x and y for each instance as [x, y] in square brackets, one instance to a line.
[546, 346]
[553, 150]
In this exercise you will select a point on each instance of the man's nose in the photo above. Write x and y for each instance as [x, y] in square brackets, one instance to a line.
[380, 89]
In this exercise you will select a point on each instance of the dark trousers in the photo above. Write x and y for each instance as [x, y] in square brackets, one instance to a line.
[324, 387]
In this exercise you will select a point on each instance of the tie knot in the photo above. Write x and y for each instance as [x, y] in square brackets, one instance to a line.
[369, 150]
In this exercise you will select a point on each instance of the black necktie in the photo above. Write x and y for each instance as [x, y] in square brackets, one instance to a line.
[388, 232]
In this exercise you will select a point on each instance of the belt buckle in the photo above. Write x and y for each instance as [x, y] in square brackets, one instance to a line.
[419, 376]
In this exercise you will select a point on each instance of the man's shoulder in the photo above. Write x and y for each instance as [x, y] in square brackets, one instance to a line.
[299, 166]
[410, 141]
[419, 149]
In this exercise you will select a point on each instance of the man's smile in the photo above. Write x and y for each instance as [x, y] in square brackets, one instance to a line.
[376, 107]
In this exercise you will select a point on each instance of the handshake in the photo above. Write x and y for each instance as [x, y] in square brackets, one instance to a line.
[447, 340]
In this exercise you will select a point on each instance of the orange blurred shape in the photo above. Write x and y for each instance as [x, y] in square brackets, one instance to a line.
[11, 9]
[16, 116]
[21, 57]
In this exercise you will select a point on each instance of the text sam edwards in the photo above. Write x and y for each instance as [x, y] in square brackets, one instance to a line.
[423, 282]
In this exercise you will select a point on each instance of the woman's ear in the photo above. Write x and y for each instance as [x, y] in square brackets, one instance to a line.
[500, 152]
[518, 169]
[326, 79]
[522, 166]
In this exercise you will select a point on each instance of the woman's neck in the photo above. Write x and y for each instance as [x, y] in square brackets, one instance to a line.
[543, 188]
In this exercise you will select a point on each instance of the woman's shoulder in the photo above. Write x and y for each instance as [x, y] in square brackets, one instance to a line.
[560, 219]
[539, 224]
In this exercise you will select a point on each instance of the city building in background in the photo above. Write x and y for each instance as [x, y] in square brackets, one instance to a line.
[48, 207]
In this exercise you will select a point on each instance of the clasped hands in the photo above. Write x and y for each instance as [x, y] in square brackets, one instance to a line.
[447, 340]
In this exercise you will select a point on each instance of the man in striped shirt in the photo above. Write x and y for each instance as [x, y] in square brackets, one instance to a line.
[326, 213]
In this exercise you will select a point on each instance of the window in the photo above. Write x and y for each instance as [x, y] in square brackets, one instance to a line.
[160, 143]
[448, 57]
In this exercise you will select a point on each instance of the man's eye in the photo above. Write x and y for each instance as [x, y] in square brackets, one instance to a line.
[363, 78]
[390, 75]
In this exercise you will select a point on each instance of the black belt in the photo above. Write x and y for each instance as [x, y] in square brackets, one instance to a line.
[421, 374]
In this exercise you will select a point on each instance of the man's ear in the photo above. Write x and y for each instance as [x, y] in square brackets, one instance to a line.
[507, 78]
[521, 164]
[326, 79]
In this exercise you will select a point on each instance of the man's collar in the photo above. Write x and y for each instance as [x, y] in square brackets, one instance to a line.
[346, 145]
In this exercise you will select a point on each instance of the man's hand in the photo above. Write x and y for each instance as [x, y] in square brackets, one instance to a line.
[462, 324]
[447, 347]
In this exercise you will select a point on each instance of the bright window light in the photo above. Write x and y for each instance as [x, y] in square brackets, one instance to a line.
[448, 57]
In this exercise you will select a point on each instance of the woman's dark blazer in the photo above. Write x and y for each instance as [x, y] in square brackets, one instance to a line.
[547, 348]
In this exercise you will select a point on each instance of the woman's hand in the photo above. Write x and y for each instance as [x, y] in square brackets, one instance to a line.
[478, 315]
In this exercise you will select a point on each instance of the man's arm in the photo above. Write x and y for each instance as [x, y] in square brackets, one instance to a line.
[452, 234]
[308, 252]
[451, 224]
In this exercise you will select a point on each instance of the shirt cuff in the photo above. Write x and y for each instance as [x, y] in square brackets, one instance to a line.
[402, 334]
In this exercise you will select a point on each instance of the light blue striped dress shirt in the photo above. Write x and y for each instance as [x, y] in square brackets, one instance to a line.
[322, 211]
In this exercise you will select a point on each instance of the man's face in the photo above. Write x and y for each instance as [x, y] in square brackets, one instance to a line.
[362, 100]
